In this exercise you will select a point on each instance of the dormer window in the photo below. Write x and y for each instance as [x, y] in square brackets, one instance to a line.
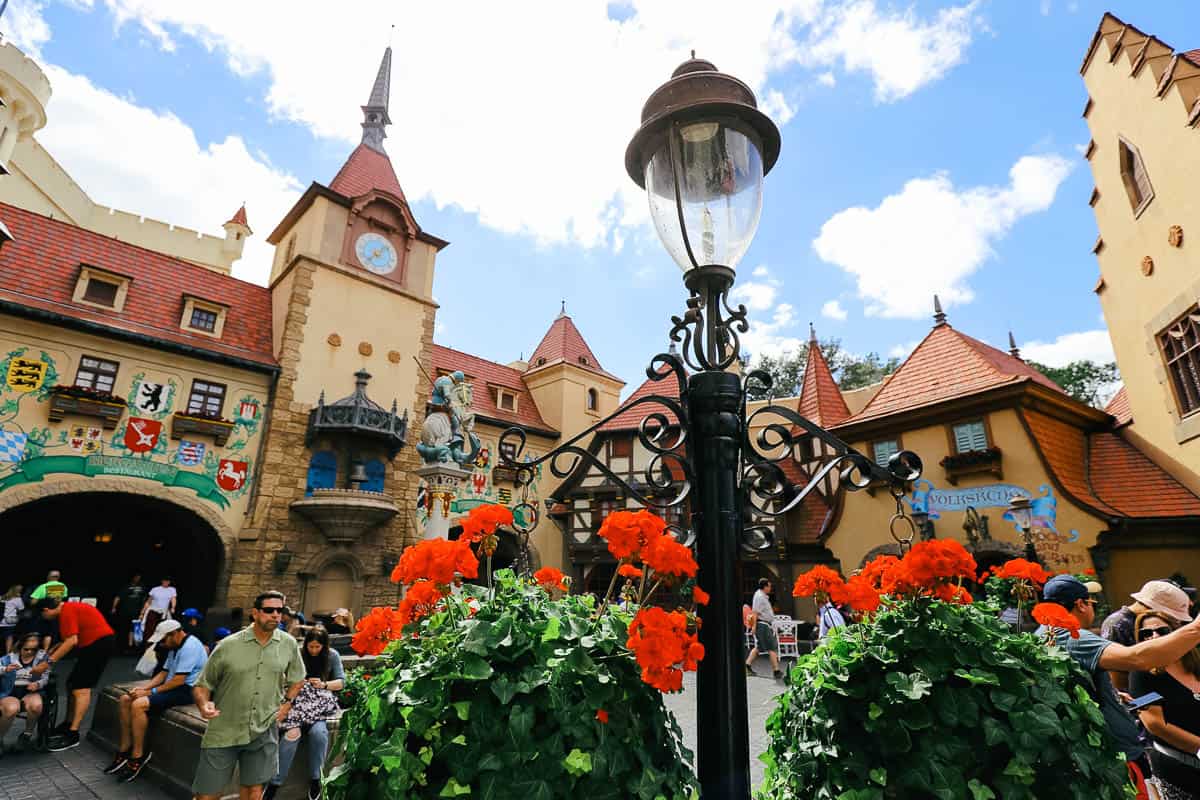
[583, 360]
[505, 400]
[100, 288]
[203, 316]
[1135, 177]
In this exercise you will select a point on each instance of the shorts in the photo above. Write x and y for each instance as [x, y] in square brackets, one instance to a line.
[90, 663]
[764, 637]
[21, 692]
[160, 701]
[256, 763]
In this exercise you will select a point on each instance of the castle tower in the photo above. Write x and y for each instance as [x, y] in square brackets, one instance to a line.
[570, 387]
[24, 92]
[237, 230]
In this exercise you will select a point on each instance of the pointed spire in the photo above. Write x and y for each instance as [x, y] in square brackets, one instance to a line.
[820, 399]
[562, 312]
[1012, 347]
[939, 316]
[812, 333]
[239, 217]
[375, 112]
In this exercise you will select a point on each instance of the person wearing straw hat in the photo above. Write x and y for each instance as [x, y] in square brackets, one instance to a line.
[1157, 595]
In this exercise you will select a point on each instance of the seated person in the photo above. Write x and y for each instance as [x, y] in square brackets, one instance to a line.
[312, 707]
[193, 623]
[20, 689]
[172, 686]
[343, 622]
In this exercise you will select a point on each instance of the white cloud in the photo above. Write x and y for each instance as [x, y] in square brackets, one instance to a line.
[484, 125]
[827, 79]
[26, 28]
[1093, 345]
[903, 350]
[929, 238]
[761, 271]
[901, 52]
[773, 338]
[151, 163]
[833, 310]
[757, 296]
[776, 106]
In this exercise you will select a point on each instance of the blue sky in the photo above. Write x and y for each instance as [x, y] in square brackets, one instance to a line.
[926, 147]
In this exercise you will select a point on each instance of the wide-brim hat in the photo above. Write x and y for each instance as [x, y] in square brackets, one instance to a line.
[1165, 598]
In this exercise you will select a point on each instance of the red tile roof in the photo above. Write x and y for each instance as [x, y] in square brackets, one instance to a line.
[1192, 56]
[630, 418]
[40, 267]
[239, 217]
[364, 170]
[1106, 473]
[946, 365]
[564, 344]
[1119, 408]
[486, 376]
[820, 398]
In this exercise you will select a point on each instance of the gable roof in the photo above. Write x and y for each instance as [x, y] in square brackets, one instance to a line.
[491, 374]
[39, 270]
[564, 344]
[1119, 407]
[629, 419]
[1104, 472]
[364, 170]
[946, 365]
[821, 400]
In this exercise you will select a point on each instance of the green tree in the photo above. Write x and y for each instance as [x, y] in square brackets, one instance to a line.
[851, 372]
[1086, 381]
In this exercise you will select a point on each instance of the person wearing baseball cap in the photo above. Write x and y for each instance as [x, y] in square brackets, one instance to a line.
[193, 623]
[172, 686]
[1098, 656]
[1158, 595]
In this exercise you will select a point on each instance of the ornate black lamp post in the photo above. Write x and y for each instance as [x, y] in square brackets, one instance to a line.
[701, 153]
[1021, 508]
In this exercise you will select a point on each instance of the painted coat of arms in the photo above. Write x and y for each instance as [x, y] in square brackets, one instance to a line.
[12, 446]
[231, 475]
[151, 398]
[141, 435]
[190, 454]
[26, 374]
[85, 439]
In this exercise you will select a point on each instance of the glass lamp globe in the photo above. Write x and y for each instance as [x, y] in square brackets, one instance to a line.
[705, 189]
[1021, 509]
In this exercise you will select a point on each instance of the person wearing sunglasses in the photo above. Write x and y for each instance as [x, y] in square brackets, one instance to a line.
[241, 694]
[20, 689]
[1174, 724]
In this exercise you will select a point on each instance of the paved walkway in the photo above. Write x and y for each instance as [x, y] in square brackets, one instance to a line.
[76, 774]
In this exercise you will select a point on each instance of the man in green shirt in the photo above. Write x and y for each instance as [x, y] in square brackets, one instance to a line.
[239, 693]
[53, 587]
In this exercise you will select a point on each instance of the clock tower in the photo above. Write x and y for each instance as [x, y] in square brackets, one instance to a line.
[353, 317]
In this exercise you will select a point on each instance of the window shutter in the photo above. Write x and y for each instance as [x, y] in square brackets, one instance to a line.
[970, 436]
[375, 474]
[1141, 178]
[322, 472]
[884, 451]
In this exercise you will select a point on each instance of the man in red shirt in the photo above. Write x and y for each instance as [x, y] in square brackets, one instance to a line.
[82, 628]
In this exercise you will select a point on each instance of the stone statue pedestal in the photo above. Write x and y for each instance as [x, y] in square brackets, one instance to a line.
[441, 487]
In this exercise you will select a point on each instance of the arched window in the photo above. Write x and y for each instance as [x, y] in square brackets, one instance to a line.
[322, 472]
[1134, 176]
[375, 473]
[593, 400]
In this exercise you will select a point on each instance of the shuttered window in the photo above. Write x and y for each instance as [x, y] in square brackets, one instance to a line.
[884, 450]
[970, 436]
[1134, 176]
[1180, 345]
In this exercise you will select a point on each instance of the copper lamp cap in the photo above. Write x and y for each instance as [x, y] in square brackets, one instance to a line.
[698, 90]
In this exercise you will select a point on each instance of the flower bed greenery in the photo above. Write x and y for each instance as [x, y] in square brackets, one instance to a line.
[936, 698]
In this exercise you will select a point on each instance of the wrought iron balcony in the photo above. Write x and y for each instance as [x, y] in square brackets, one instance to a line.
[358, 415]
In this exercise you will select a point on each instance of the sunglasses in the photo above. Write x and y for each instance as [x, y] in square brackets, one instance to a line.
[271, 610]
[1150, 633]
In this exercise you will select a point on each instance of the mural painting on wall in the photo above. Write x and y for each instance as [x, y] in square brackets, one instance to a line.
[479, 489]
[139, 448]
[1048, 540]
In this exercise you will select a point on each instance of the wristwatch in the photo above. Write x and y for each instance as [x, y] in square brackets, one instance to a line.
[153, 690]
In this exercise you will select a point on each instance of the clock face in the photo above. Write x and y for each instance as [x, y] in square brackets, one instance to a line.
[375, 253]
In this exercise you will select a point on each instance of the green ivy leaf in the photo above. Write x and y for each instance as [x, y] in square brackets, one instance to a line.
[454, 789]
[879, 775]
[578, 762]
[979, 791]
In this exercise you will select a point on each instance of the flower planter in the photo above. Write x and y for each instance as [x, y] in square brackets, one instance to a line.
[987, 461]
[108, 411]
[219, 429]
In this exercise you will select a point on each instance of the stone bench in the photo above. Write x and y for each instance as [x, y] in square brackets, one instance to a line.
[174, 739]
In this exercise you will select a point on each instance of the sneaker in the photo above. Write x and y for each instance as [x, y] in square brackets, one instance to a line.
[314, 790]
[65, 742]
[133, 768]
[778, 675]
[119, 760]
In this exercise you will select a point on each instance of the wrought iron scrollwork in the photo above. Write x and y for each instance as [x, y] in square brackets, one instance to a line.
[662, 432]
[709, 331]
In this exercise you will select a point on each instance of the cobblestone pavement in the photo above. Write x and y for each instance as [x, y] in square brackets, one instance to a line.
[76, 774]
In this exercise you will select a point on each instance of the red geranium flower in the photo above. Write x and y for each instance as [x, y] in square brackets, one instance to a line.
[482, 521]
[550, 578]
[861, 594]
[602, 715]
[629, 571]
[436, 560]
[820, 579]
[421, 600]
[877, 568]
[663, 647]
[666, 557]
[627, 532]
[952, 593]
[699, 596]
[1052, 615]
[1022, 570]
[376, 630]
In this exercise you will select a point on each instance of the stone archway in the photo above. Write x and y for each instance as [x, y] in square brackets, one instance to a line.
[107, 528]
[325, 569]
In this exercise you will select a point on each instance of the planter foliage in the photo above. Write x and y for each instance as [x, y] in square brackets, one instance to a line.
[930, 698]
[525, 698]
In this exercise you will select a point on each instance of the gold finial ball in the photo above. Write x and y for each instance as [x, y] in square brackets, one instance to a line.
[334, 340]
[1175, 236]
[365, 349]
[1147, 266]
